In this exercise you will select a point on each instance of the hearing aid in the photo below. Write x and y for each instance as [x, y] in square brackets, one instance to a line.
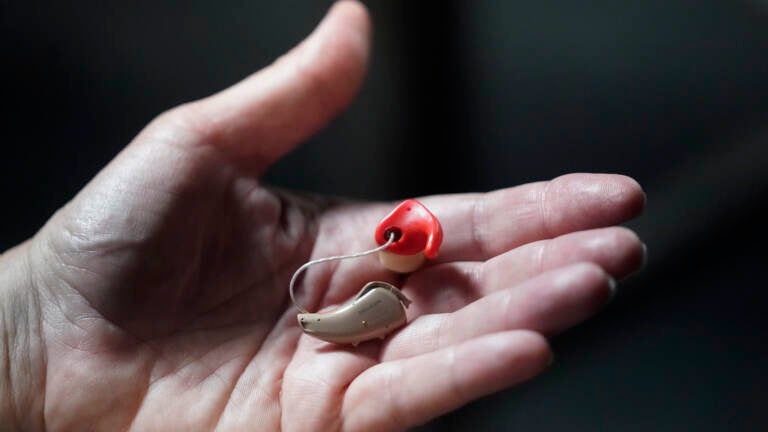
[418, 236]
[373, 313]
[407, 236]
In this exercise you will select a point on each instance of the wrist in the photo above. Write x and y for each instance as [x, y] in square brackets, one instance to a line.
[22, 354]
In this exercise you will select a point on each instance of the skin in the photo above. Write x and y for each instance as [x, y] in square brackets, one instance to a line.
[157, 298]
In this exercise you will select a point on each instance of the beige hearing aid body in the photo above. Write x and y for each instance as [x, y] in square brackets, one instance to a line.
[377, 310]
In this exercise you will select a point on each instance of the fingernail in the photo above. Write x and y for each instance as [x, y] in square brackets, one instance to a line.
[612, 289]
[643, 262]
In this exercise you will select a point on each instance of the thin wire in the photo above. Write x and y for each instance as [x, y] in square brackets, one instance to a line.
[332, 258]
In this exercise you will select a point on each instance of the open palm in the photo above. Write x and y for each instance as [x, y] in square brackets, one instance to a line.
[162, 287]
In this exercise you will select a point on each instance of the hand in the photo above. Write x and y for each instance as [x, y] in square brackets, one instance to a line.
[157, 298]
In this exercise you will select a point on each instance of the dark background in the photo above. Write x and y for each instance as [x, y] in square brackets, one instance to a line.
[673, 93]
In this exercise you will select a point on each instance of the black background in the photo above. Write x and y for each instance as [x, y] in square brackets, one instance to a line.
[466, 96]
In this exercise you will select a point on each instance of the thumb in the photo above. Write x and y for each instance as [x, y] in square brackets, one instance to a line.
[263, 117]
[163, 188]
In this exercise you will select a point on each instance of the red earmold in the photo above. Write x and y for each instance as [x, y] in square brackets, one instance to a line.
[416, 229]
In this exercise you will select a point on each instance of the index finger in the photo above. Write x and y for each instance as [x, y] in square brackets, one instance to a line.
[478, 227]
